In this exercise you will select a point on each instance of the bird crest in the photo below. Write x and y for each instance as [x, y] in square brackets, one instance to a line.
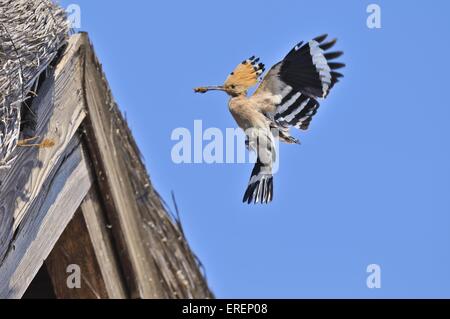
[246, 74]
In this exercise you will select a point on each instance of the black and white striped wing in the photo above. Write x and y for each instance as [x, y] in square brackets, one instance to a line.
[295, 84]
[308, 68]
[296, 110]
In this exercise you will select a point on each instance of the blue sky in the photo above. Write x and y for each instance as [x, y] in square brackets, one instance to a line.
[369, 185]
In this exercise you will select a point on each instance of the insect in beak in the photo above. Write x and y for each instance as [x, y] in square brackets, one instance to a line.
[205, 89]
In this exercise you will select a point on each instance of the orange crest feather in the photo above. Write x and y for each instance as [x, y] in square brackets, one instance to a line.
[246, 74]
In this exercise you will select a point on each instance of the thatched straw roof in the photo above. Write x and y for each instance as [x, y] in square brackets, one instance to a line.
[31, 33]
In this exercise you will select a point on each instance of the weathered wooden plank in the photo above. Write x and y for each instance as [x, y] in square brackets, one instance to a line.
[155, 256]
[52, 210]
[140, 270]
[74, 248]
[59, 112]
[32, 190]
[100, 235]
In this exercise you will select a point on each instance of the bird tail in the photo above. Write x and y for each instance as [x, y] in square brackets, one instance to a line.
[260, 186]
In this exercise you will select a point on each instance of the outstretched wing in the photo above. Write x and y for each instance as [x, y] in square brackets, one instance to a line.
[260, 186]
[295, 84]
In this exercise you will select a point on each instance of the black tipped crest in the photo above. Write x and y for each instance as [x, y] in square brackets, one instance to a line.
[245, 74]
[258, 67]
[255, 61]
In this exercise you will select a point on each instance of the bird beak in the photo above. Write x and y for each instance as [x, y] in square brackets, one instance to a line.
[205, 89]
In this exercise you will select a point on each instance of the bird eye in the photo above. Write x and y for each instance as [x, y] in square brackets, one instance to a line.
[233, 86]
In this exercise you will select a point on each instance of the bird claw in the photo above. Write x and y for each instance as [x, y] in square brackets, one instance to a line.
[295, 141]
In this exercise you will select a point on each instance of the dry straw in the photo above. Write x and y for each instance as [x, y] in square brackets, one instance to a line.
[31, 34]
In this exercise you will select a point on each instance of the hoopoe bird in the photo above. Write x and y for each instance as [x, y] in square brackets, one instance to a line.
[287, 97]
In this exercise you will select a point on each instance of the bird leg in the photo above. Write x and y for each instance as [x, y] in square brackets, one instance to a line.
[288, 139]
[47, 143]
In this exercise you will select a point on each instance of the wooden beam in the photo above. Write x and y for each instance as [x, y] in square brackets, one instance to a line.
[156, 259]
[41, 192]
[39, 232]
[141, 274]
[100, 235]
[74, 248]
[87, 243]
